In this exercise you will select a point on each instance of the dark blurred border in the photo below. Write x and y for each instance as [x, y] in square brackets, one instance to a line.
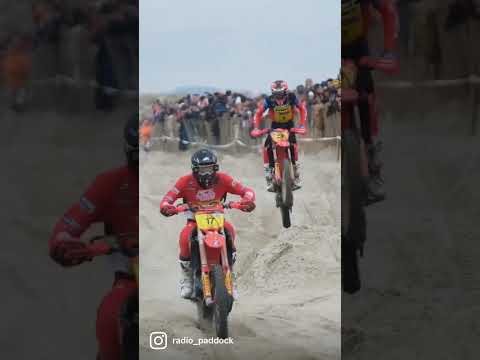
[69, 82]
[419, 273]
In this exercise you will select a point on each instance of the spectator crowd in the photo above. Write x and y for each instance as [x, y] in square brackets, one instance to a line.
[80, 40]
[218, 118]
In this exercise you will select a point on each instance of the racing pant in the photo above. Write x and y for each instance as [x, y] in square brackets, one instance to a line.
[109, 325]
[186, 234]
[268, 157]
[367, 106]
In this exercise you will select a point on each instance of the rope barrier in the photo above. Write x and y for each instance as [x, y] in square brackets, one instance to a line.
[63, 79]
[470, 80]
[236, 141]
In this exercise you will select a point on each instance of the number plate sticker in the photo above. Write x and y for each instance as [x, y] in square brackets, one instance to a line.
[209, 221]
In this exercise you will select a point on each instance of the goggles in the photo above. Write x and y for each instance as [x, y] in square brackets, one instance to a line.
[206, 170]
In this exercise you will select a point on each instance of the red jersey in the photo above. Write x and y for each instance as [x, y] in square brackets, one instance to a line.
[111, 199]
[188, 189]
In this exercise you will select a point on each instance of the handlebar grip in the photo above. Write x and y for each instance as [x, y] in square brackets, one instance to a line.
[300, 131]
[258, 133]
[233, 205]
[183, 208]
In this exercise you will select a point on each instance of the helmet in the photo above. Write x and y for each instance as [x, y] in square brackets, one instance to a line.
[279, 90]
[130, 139]
[300, 89]
[204, 167]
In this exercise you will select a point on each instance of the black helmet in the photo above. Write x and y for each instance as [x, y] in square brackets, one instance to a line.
[300, 89]
[130, 137]
[204, 167]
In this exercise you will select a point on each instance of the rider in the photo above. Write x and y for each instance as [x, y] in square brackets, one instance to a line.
[111, 199]
[356, 16]
[204, 186]
[281, 106]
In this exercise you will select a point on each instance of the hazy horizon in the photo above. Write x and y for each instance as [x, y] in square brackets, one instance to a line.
[240, 45]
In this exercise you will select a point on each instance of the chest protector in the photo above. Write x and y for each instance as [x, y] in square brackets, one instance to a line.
[353, 28]
[283, 113]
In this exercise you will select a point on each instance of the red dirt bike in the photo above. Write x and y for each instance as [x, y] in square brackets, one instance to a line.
[283, 179]
[354, 160]
[211, 266]
[128, 321]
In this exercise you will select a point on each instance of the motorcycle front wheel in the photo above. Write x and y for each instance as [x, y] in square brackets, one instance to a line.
[353, 215]
[286, 193]
[222, 302]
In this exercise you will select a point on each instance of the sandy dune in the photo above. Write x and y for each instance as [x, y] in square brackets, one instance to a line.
[289, 280]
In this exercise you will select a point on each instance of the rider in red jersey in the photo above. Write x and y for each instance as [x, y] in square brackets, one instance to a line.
[356, 19]
[282, 105]
[205, 186]
[111, 199]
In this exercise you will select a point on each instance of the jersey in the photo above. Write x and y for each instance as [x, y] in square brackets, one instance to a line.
[281, 114]
[353, 27]
[111, 199]
[356, 17]
[188, 189]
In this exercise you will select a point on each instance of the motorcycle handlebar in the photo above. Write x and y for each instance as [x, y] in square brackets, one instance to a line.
[388, 66]
[257, 133]
[349, 96]
[230, 205]
[106, 245]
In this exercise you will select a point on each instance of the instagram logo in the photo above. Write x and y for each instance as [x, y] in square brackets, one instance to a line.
[158, 340]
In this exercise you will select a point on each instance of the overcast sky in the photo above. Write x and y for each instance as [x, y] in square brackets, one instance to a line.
[243, 44]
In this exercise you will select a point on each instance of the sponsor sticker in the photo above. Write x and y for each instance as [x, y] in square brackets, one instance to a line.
[206, 195]
[87, 205]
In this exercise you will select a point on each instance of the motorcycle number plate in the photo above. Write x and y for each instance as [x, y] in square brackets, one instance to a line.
[279, 136]
[209, 221]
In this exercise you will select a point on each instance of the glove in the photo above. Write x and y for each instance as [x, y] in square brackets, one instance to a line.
[247, 206]
[61, 252]
[388, 55]
[301, 129]
[255, 132]
[390, 62]
[168, 210]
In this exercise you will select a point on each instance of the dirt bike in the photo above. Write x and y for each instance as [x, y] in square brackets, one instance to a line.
[354, 156]
[211, 266]
[128, 321]
[283, 179]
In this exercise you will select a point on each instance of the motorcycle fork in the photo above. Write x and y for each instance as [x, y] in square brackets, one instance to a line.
[226, 269]
[282, 153]
[206, 286]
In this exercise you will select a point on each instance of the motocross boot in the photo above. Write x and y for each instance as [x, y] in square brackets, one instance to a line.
[374, 185]
[234, 276]
[374, 190]
[269, 178]
[297, 184]
[374, 163]
[186, 279]
[234, 286]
